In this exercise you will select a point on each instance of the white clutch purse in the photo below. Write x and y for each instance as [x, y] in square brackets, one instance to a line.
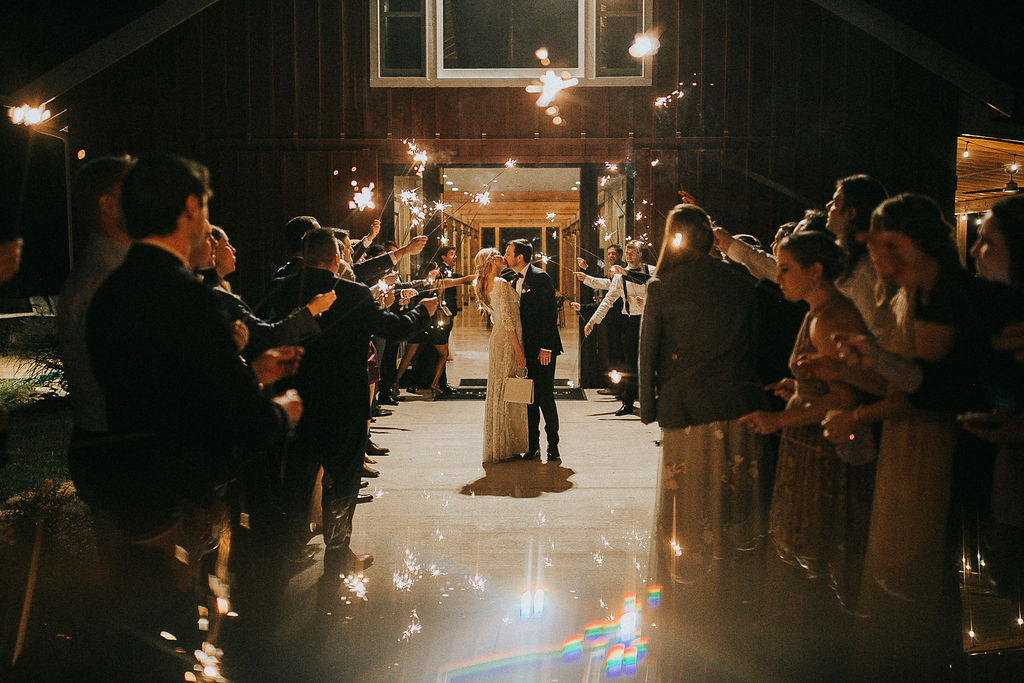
[519, 389]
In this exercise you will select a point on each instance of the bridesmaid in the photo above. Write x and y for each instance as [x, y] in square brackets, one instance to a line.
[818, 518]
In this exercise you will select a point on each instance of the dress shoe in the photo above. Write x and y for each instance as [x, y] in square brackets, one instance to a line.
[364, 498]
[368, 460]
[381, 412]
[625, 410]
[532, 454]
[374, 449]
[363, 484]
[553, 455]
[386, 400]
[370, 472]
[448, 391]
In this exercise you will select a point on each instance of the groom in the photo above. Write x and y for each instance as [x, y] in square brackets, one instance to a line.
[541, 343]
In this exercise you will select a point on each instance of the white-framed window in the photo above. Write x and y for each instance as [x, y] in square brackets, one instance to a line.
[494, 43]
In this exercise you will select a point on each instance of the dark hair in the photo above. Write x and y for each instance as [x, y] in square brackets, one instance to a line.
[218, 233]
[443, 251]
[388, 244]
[295, 230]
[808, 247]
[616, 247]
[319, 247]
[1009, 214]
[96, 179]
[863, 193]
[813, 219]
[155, 192]
[341, 233]
[523, 248]
[693, 226]
[919, 218]
[374, 250]
[641, 248]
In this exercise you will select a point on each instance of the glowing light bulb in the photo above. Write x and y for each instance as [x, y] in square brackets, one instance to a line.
[643, 45]
[615, 376]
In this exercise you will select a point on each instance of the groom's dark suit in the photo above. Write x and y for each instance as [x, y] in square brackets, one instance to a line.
[540, 331]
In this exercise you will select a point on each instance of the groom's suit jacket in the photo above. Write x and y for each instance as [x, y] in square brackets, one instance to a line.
[538, 314]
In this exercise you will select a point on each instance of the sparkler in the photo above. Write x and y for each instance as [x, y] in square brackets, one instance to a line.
[644, 44]
[28, 116]
[550, 215]
[482, 198]
[363, 198]
[511, 163]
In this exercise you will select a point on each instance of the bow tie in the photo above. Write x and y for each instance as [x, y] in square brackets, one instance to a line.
[515, 276]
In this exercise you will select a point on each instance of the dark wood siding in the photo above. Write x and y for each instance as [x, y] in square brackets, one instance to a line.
[274, 97]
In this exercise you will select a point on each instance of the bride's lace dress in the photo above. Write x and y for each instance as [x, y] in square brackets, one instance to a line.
[505, 432]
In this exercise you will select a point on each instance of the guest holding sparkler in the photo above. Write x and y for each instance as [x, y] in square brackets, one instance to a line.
[631, 287]
[698, 375]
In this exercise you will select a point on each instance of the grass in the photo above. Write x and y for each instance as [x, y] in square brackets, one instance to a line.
[39, 429]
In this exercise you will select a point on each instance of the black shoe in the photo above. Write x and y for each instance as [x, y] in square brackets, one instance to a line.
[625, 410]
[375, 450]
[370, 472]
[364, 498]
[553, 455]
[532, 454]
[386, 400]
[448, 391]
[381, 412]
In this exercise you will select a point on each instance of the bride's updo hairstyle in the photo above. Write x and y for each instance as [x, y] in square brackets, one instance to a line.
[482, 264]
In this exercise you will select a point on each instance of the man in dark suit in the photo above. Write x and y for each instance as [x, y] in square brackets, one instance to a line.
[181, 407]
[541, 342]
[334, 386]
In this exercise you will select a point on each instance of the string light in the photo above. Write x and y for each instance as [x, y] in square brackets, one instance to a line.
[644, 44]
[966, 152]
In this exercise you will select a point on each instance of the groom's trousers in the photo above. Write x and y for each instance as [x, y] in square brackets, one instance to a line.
[543, 377]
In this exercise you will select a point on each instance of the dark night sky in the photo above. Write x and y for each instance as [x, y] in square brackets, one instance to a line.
[37, 36]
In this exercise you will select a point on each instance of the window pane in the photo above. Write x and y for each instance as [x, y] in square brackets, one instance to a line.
[615, 35]
[404, 6]
[503, 34]
[403, 45]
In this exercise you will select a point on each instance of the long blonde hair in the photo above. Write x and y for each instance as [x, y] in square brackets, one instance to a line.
[482, 265]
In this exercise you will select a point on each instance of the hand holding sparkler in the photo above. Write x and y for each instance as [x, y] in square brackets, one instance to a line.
[580, 276]
[723, 239]
[276, 363]
[618, 270]
[581, 264]
[588, 328]
[321, 302]
[292, 404]
[240, 334]
[415, 246]
[575, 305]
[374, 229]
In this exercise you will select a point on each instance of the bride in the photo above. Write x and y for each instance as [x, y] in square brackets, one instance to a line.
[505, 433]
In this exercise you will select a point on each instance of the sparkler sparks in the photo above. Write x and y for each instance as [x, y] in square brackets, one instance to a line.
[363, 198]
[600, 221]
[644, 44]
[550, 85]
[550, 215]
[511, 163]
[677, 241]
[482, 198]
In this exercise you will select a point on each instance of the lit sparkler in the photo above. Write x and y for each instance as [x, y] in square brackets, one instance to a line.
[615, 376]
[644, 44]
[550, 85]
[28, 116]
[511, 163]
[363, 198]
[550, 215]
[408, 197]
[611, 167]
[600, 221]
[482, 198]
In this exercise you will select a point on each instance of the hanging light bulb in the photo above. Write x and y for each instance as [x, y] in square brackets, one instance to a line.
[1013, 166]
[966, 152]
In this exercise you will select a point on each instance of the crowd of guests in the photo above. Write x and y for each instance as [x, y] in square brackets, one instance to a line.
[858, 444]
[814, 392]
[203, 424]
